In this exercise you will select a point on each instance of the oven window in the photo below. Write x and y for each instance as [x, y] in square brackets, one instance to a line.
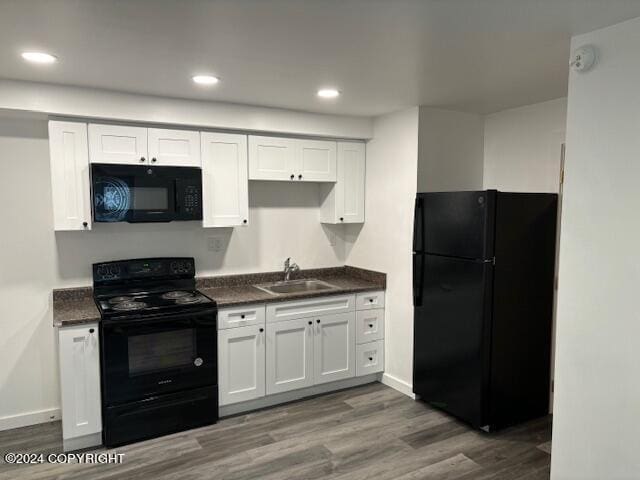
[155, 352]
[150, 198]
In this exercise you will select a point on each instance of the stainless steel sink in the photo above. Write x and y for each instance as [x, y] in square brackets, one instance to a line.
[295, 286]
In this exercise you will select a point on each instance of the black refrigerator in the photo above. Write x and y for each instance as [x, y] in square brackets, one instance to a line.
[483, 286]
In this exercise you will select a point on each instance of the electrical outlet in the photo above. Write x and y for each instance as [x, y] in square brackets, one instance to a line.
[215, 244]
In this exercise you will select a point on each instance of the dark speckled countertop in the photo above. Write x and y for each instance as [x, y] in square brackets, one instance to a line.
[73, 306]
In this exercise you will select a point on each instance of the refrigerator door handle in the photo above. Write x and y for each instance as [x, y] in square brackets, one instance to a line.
[418, 226]
[418, 270]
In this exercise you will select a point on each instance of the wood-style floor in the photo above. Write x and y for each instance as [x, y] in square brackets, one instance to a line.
[369, 432]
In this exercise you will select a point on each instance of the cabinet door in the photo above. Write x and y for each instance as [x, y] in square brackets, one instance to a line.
[241, 364]
[272, 158]
[351, 175]
[177, 148]
[343, 202]
[370, 358]
[225, 197]
[69, 175]
[289, 355]
[334, 347]
[117, 144]
[316, 161]
[369, 325]
[80, 380]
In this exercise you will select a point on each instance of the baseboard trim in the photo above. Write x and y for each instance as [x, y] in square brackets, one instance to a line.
[31, 418]
[285, 397]
[397, 384]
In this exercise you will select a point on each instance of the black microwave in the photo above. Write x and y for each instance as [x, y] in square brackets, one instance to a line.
[140, 193]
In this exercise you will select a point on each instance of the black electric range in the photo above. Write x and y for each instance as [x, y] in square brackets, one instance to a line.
[158, 340]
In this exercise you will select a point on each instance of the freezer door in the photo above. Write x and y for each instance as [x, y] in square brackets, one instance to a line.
[459, 224]
[452, 337]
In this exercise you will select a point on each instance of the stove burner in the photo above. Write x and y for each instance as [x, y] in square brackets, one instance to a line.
[129, 305]
[175, 295]
[190, 299]
[115, 300]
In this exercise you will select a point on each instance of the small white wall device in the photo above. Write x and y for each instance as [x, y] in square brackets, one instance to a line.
[583, 58]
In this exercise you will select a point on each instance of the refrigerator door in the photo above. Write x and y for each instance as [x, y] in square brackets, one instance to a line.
[452, 337]
[459, 224]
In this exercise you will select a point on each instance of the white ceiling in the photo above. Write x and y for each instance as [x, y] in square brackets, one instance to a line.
[472, 55]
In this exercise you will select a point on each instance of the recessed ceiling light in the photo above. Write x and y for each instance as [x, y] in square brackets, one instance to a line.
[328, 93]
[39, 57]
[205, 79]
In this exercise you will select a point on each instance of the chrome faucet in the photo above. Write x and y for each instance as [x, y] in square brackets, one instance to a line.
[289, 268]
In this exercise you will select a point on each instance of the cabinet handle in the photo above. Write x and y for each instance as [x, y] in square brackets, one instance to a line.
[292, 176]
[342, 219]
[241, 316]
[371, 359]
[299, 177]
[318, 321]
[153, 160]
[262, 330]
[244, 221]
[142, 159]
[310, 322]
[371, 300]
[91, 330]
[85, 224]
[371, 325]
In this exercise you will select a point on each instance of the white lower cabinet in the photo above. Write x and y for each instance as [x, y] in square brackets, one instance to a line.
[279, 347]
[241, 364]
[369, 325]
[370, 358]
[80, 386]
[289, 355]
[334, 347]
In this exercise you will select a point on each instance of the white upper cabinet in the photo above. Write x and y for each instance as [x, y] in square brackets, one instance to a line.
[225, 197]
[117, 144]
[271, 158]
[241, 364]
[69, 161]
[343, 202]
[178, 148]
[316, 160]
[334, 347]
[287, 159]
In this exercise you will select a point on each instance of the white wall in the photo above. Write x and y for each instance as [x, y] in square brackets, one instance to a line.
[284, 221]
[450, 151]
[597, 402]
[93, 103]
[522, 147]
[384, 242]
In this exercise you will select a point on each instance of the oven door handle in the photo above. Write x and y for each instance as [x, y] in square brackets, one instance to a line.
[202, 317]
[155, 405]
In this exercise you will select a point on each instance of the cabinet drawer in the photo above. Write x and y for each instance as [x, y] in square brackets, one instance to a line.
[241, 316]
[369, 325]
[370, 300]
[370, 358]
[310, 308]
